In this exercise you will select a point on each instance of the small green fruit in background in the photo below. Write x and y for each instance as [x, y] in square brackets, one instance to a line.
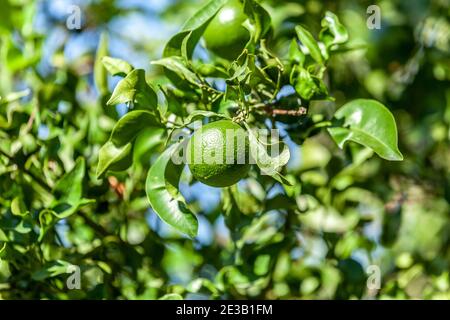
[225, 35]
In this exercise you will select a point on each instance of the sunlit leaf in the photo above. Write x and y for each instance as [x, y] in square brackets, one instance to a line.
[200, 114]
[114, 158]
[295, 54]
[369, 123]
[269, 165]
[52, 269]
[309, 87]
[135, 89]
[333, 31]
[260, 20]
[193, 28]
[164, 197]
[129, 126]
[178, 66]
[117, 67]
[310, 43]
[18, 207]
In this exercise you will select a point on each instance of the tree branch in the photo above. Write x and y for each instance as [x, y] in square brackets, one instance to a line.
[29, 173]
[283, 112]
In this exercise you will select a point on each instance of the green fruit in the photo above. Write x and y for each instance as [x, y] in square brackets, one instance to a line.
[225, 35]
[218, 154]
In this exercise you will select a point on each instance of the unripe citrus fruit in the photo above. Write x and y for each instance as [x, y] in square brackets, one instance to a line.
[217, 154]
[225, 34]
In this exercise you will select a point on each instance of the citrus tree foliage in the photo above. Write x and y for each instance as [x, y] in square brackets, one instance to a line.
[87, 180]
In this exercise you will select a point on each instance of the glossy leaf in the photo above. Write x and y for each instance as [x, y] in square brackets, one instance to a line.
[369, 123]
[135, 89]
[267, 164]
[200, 114]
[129, 126]
[308, 86]
[309, 42]
[193, 28]
[210, 70]
[333, 31]
[114, 158]
[18, 207]
[178, 66]
[117, 67]
[147, 140]
[117, 153]
[260, 21]
[295, 54]
[174, 104]
[52, 269]
[164, 197]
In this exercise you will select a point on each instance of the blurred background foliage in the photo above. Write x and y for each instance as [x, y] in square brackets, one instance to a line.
[314, 240]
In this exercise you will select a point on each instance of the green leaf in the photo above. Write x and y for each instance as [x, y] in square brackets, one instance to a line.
[25, 226]
[114, 158]
[309, 42]
[369, 123]
[18, 207]
[14, 96]
[69, 192]
[147, 140]
[295, 54]
[328, 219]
[100, 75]
[117, 67]
[164, 197]
[262, 230]
[201, 283]
[200, 114]
[2, 250]
[260, 21]
[281, 179]
[267, 164]
[193, 29]
[240, 71]
[210, 70]
[129, 126]
[51, 269]
[171, 296]
[308, 86]
[179, 67]
[174, 104]
[333, 31]
[16, 59]
[48, 218]
[135, 89]
[117, 153]
[70, 187]
[63, 210]
[184, 42]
